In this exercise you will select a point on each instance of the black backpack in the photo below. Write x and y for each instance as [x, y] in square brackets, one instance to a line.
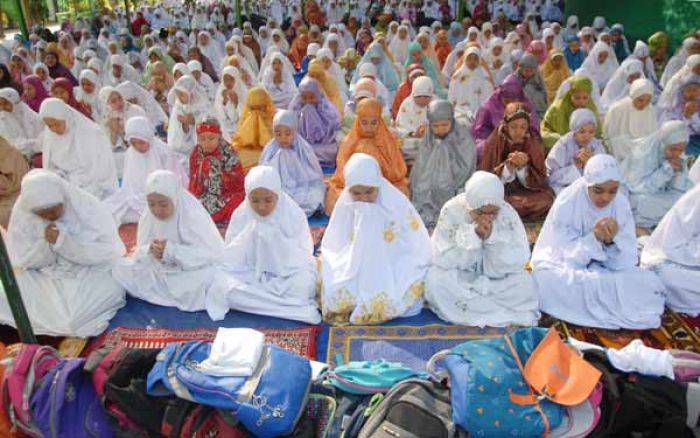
[638, 405]
[414, 408]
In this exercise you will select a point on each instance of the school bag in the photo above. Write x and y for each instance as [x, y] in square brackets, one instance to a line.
[204, 421]
[369, 377]
[638, 405]
[65, 404]
[5, 424]
[268, 403]
[414, 408]
[484, 375]
[25, 367]
[119, 377]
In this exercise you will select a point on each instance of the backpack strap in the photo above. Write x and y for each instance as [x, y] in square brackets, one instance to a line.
[530, 399]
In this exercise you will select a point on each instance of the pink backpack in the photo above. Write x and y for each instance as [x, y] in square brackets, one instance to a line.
[24, 370]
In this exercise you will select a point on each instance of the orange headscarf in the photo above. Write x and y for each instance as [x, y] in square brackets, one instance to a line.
[328, 84]
[442, 47]
[254, 128]
[383, 146]
[298, 50]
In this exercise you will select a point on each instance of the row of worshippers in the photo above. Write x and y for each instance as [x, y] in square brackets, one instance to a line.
[377, 259]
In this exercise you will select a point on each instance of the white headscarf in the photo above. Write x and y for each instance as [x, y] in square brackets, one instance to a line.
[573, 216]
[410, 115]
[145, 100]
[179, 140]
[92, 99]
[678, 60]
[22, 126]
[623, 119]
[283, 93]
[671, 88]
[618, 86]
[211, 50]
[646, 154]
[279, 243]
[269, 55]
[129, 73]
[373, 248]
[678, 225]
[83, 154]
[601, 73]
[399, 47]
[190, 224]
[83, 214]
[228, 114]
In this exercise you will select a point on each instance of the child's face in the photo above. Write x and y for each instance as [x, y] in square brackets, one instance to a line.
[603, 194]
[517, 130]
[87, 86]
[362, 193]
[208, 141]
[602, 57]
[574, 46]
[580, 99]
[60, 93]
[585, 134]
[441, 127]
[674, 151]
[369, 126]
[422, 101]
[263, 201]
[182, 96]
[641, 102]
[161, 207]
[691, 93]
[284, 135]
[308, 98]
[277, 66]
[141, 146]
[472, 62]
[229, 82]
[29, 91]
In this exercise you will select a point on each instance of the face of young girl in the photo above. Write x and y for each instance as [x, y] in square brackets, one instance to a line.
[5, 105]
[308, 98]
[602, 57]
[117, 71]
[441, 127]
[691, 93]
[262, 201]
[87, 86]
[41, 73]
[209, 141]
[603, 194]
[641, 102]
[116, 102]
[517, 130]
[50, 214]
[674, 151]
[585, 134]
[29, 91]
[161, 207]
[369, 126]
[55, 125]
[277, 66]
[580, 99]
[182, 96]
[284, 135]
[229, 82]
[472, 61]
[139, 145]
[362, 193]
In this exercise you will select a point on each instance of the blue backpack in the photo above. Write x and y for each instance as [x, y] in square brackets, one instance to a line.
[269, 403]
[65, 404]
[482, 376]
[370, 377]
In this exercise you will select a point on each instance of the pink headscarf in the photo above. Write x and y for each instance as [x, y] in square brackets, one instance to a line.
[40, 92]
[539, 49]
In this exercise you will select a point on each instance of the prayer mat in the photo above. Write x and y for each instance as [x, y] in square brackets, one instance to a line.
[301, 340]
[676, 332]
[411, 345]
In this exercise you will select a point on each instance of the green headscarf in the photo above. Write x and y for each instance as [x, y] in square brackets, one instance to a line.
[656, 41]
[556, 120]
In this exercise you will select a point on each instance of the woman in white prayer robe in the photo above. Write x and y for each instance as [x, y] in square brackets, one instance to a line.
[115, 112]
[229, 100]
[630, 118]
[585, 258]
[145, 154]
[210, 48]
[88, 92]
[569, 155]
[189, 106]
[177, 249]
[480, 249]
[656, 172]
[63, 243]
[690, 46]
[137, 95]
[412, 119]
[375, 252]
[673, 252]
[619, 85]
[601, 63]
[204, 80]
[19, 125]
[278, 80]
[120, 71]
[470, 85]
[268, 267]
[77, 149]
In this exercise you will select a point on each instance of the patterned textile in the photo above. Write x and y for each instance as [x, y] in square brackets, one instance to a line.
[676, 332]
[301, 341]
[410, 345]
[321, 409]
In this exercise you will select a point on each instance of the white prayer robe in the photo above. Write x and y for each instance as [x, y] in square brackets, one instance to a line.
[268, 264]
[411, 116]
[374, 256]
[583, 281]
[653, 184]
[480, 282]
[67, 287]
[82, 154]
[183, 140]
[624, 122]
[129, 201]
[22, 127]
[193, 247]
[228, 114]
[468, 90]
[673, 252]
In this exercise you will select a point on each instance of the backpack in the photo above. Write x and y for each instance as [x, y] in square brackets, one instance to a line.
[638, 405]
[25, 368]
[204, 421]
[5, 424]
[65, 404]
[119, 377]
[414, 408]
[369, 377]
